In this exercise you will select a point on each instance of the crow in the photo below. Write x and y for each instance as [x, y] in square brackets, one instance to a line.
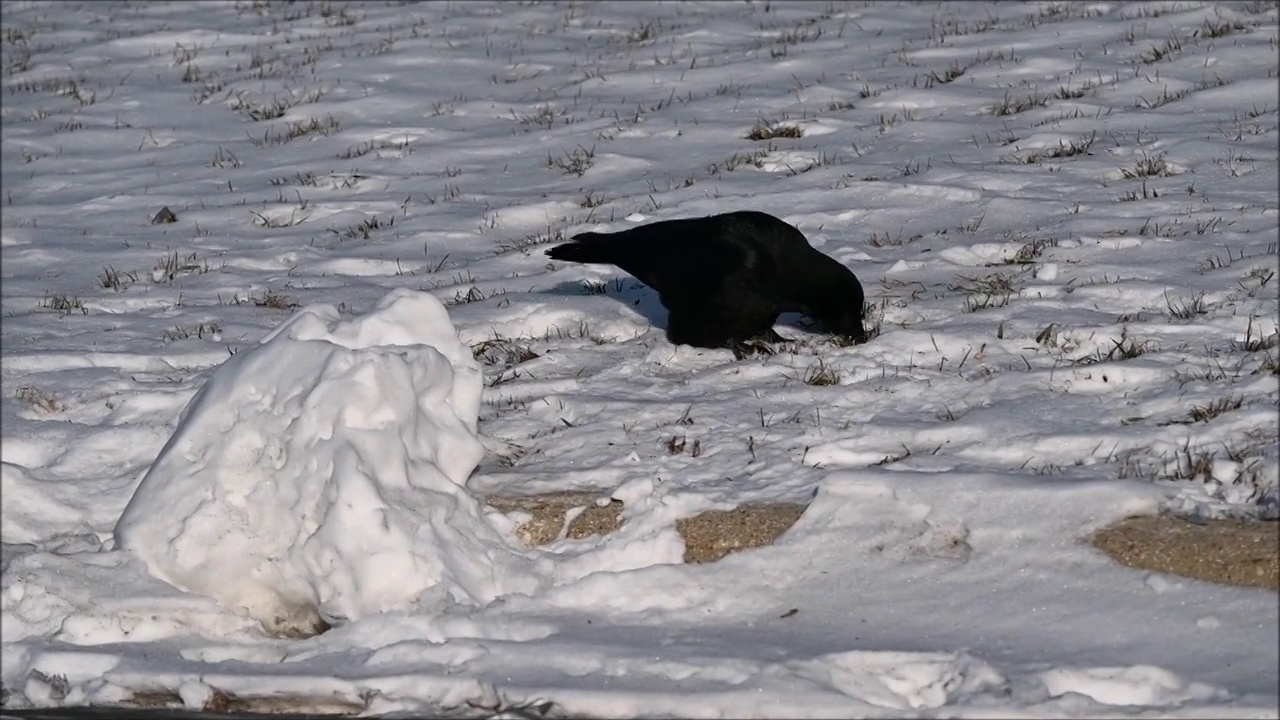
[725, 279]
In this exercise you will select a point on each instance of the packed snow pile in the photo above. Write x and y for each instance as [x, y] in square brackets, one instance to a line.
[320, 474]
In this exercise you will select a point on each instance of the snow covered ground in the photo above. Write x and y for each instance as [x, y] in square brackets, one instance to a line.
[1064, 215]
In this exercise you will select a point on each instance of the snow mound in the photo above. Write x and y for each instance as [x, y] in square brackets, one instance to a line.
[902, 680]
[1134, 685]
[320, 474]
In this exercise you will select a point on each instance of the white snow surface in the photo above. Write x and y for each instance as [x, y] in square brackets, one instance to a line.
[290, 403]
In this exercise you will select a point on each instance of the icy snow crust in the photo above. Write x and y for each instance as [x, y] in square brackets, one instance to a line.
[1064, 215]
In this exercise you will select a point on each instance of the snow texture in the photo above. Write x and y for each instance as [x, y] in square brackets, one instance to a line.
[1064, 215]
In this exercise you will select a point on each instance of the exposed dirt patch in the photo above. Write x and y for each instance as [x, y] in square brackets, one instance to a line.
[1232, 552]
[224, 704]
[716, 533]
[157, 699]
[707, 537]
[599, 516]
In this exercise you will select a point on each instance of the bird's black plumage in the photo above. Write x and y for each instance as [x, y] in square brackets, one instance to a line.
[725, 279]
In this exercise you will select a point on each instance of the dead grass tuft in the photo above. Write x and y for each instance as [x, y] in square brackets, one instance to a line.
[274, 300]
[765, 131]
[821, 375]
[38, 399]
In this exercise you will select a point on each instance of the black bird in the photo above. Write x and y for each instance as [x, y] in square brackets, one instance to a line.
[725, 279]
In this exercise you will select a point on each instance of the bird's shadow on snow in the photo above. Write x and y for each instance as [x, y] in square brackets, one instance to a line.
[626, 290]
[644, 300]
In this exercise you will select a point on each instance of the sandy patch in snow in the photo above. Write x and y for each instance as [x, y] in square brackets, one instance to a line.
[708, 536]
[1232, 552]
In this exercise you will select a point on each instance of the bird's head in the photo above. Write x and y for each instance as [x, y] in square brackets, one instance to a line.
[833, 297]
[849, 326]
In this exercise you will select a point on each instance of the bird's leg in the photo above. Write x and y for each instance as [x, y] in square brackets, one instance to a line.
[719, 327]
